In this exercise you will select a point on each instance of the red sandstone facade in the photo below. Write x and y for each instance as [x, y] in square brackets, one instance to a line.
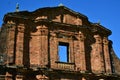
[29, 47]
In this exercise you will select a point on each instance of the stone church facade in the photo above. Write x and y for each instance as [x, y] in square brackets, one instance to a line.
[30, 47]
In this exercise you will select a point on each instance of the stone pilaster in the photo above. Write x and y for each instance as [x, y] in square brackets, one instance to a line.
[79, 50]
[43, 44]
[97, 63]
[53, 49]
[19, 44]
[39, 47]
[11, 26]
[35, 48]
[107, 55]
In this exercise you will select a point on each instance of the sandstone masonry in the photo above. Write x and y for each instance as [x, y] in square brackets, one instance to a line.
[30, 47]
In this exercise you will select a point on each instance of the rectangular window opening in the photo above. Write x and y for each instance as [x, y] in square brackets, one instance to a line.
[63, 52]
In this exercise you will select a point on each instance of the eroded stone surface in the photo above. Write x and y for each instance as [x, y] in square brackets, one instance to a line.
[29, 44]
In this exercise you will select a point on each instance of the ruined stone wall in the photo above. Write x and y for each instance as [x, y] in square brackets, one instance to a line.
[7, 42]
[35, 47]
[39, 46]
[59, 16]
[115, 62]
[3, 36]
[3, 42]
[31, 47]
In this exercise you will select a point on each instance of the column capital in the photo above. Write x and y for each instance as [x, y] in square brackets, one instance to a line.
[10, 25]
[41, 27]
[38, 27]
[21, 27]
[42, 30]
[105, 41]
[43, 77]
[98, 39]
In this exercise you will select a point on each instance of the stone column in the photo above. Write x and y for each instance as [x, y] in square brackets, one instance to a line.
[107, 55]
[35, 48]
[19, 44]
[79, 50]
[97, 63]
[39, 47]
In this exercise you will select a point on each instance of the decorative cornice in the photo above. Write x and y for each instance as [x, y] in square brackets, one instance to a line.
[60, 7]
[97, 28]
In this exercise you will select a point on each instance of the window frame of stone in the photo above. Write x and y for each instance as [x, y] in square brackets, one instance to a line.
[67, 53]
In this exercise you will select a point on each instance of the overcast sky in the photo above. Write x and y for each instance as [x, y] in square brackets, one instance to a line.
[105, 11]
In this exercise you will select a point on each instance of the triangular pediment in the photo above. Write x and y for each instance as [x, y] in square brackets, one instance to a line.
[59, 14]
